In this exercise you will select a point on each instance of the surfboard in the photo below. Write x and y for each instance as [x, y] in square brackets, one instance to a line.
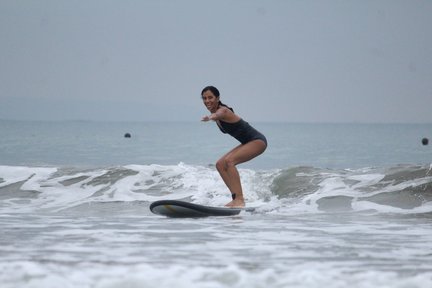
[182, 209]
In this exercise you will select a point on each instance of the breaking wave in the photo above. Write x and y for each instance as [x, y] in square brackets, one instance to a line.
[404, 189]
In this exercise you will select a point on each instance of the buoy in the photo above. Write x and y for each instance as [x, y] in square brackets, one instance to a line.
[127, 135]
[425, 141]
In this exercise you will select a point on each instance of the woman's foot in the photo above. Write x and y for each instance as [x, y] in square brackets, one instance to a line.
[237, 203]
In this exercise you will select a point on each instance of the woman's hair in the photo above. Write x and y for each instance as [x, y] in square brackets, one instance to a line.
[212, 89]
[215, 92]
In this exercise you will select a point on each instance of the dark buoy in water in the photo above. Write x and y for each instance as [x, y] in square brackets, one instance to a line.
[127, 135]
[425, 141]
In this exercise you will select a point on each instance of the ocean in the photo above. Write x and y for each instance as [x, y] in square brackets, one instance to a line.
[337, 205]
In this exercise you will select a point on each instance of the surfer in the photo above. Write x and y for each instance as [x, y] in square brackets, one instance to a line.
[253, 143]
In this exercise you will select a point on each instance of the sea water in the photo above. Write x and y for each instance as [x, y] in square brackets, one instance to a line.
[337, 205]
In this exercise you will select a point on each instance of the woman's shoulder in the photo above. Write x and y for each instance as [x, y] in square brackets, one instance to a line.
[224, 110]
[227, 115]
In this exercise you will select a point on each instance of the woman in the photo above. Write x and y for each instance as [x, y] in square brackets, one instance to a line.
[253, 143]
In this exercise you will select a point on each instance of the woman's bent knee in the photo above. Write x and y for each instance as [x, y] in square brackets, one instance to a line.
[220, 165]
[225, 163]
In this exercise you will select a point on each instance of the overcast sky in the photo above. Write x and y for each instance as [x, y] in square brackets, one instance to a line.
[272, 60]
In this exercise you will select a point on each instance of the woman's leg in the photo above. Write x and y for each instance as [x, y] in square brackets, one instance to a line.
[226, 167]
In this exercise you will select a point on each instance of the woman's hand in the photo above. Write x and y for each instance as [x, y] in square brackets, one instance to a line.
[213, 116]
[205, 118]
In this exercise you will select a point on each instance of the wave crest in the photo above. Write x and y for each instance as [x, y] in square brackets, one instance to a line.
[401, 189]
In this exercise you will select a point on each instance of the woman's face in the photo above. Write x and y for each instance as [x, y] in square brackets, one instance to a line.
[210, 101]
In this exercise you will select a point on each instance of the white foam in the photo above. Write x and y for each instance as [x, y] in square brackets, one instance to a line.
[15, 174]
[367, 205]
[357, 187]
[58, 189]
[86, 275]
[203, 184]
[68, 188]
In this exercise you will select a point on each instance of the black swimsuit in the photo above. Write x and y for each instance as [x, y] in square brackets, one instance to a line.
[242, 131]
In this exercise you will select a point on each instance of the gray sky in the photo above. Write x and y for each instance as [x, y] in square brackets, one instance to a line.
[272, 60]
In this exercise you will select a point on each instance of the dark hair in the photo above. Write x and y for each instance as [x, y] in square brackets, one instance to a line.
[212, 89]
[215, 92]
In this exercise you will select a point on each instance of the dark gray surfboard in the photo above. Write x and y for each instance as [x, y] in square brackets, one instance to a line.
[182, 209]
